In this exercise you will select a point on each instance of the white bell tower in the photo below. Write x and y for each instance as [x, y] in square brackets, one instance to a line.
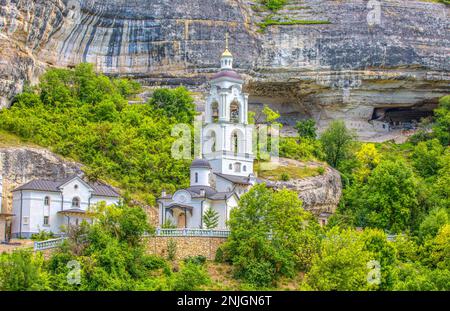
[227, 138]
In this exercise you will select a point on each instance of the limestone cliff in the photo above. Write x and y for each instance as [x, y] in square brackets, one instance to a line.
[320, 194]
[361, 56]
[19, 165]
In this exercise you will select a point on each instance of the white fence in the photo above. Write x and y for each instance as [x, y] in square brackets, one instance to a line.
[49, 244]
[192, 233]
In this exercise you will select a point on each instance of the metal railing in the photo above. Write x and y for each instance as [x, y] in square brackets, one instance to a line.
[49, 244]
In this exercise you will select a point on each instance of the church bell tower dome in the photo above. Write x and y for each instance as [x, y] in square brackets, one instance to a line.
[200, 173]
[227, 58]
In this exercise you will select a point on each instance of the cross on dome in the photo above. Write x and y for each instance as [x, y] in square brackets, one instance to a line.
[227, 57]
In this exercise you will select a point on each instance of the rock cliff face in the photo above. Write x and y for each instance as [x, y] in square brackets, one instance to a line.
[369, 55]
[19, 165]
[320, 194]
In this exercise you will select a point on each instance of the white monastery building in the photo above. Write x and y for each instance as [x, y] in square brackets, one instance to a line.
[47, 205]
[225, 171]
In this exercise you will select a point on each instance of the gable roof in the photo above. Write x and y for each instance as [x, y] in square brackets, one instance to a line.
[242, 180]
[210, 193]
[99, 188]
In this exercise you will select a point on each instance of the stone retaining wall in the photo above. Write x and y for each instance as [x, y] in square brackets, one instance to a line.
[186, 246]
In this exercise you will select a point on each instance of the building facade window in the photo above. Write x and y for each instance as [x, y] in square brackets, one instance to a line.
[234, 112]
[215, 111]
[47, 201]
[237, 167]
[46, 221]
[76, 202]
[196, 177]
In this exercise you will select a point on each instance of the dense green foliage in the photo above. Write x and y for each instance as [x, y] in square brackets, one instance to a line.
[109, 254]
[388, 189]
[271, 236]
[306, 129]
[85, 116]
[336, 143]
[274, 5]
[442, 127]
[22, 271]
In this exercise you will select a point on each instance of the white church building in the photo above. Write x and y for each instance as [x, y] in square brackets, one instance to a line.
[48, 205]
[225, 171]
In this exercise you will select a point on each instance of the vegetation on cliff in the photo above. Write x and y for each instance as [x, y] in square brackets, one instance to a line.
[85, 116]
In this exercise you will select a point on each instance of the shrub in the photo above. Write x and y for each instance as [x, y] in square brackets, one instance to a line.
[171, 249]
[285, 177]
[191, 278]
[321, 170]
[306, 129]
[274, 5]
[43, 236]
[219, 258]
[198, 260]
[21, 271]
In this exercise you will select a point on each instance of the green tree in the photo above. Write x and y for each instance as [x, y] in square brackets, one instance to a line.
[337, 142]
[342, 264]
[385, 255]
[267, 238]
[176, 103]
[306, 129]
[433, 222]
[211, 219]
[426, 157]
[22, 271]
[441, 128]
[388, 200]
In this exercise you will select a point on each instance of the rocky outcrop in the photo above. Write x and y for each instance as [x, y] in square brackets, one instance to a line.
[320, 194]
[360, 56]
[19, 165]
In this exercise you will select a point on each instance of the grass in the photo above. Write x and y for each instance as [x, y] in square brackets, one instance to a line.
[272, 22]
[222, 280]
[11, 140]
[295, 8]
[278, 173]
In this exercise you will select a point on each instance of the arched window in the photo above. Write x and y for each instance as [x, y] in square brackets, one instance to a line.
[47, 201]
[230, 166]
[215, 111]
[235, 143]
[196, 177]
[213, 141]
[234, 112]
[237, 167]
[76, 202]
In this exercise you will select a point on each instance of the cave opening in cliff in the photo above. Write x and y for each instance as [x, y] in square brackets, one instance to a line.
[403, 117]
[283, 98]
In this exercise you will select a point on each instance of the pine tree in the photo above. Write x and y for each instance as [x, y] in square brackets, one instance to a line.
[211, 219]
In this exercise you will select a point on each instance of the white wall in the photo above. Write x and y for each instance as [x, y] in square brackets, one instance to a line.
[82, 192]
[34, 208]
[203, 176]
